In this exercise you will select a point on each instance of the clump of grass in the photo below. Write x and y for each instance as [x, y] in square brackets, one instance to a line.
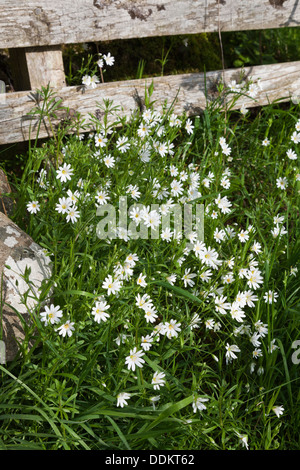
[163, 341]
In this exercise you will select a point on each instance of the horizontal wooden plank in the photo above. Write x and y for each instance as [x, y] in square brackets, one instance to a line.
[40, 22]
[276, 81]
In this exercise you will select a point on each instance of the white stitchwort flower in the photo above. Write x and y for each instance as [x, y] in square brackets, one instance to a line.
[187, 278]
[172, 328]
[270, 297]
[33, 207]
[134, 359]
[99, 311]
[278, 410]
[64, 173]
[158, 380]
[230, 352]
[198, 404]
[51, 314]
[122, 399]
[66, 329]
[141, 280]
[72, 214]
[100, 140]
[109, 59]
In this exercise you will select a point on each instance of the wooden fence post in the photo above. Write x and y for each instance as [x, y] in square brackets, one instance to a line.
[33, 67]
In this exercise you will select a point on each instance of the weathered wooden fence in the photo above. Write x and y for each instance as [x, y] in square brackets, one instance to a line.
[34, 30]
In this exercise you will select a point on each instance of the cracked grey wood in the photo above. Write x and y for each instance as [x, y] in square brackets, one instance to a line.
[278, 81]
[39, 22]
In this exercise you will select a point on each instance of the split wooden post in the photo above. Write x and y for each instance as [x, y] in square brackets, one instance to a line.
[33, 67]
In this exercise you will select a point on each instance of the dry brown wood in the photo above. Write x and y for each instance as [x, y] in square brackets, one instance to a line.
[33, 67]
[277, 81]
[40, 22]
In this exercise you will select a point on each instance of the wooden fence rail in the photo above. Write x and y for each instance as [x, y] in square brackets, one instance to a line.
[34, 30]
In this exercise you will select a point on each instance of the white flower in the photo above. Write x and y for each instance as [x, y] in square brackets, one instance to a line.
[109, 161]
[134, 191]
[243, 109]
[198, 404]
[100, 140]
[100, 63]
[134, 359]
[146, 342]
[261, 328]
[194, 323]
[66, 329]
[265, 142]
[255, 339]
[93, 81]
[99, 311]
[250, 298]
[223, 204]
[143, 301]
[109, 59]
[209, 256]
[73, 197]
[33, 207]
[90, 82]
[172, 328]
[51, 314]
[63, 205]
[228, 278]
[272, 346]
[278, 410]
[293, 271]
[282, 183]
[257, 353]
[167, 234]
[295, 137]
[141, 280]
[176, 188]
[86, 80]
[189, 127]
[187, 278]
[291, 154]
[112, 286]
[256, 247]
[221, 305]
[230, 352]
[270, 297]
[122, 144]
[150, 313]
[143, 130]
[243, 236]
[158, 380]
[122, 399]
[64, 172]
[210, 323]
[219, 235]
[171, 279]
[243, 440]
[72, 214]
[102, 197]
[254, 278]
[236, 312]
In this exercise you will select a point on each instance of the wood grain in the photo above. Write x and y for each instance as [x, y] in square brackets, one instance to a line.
[277, 81]
[33, 67]
[40, 22]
